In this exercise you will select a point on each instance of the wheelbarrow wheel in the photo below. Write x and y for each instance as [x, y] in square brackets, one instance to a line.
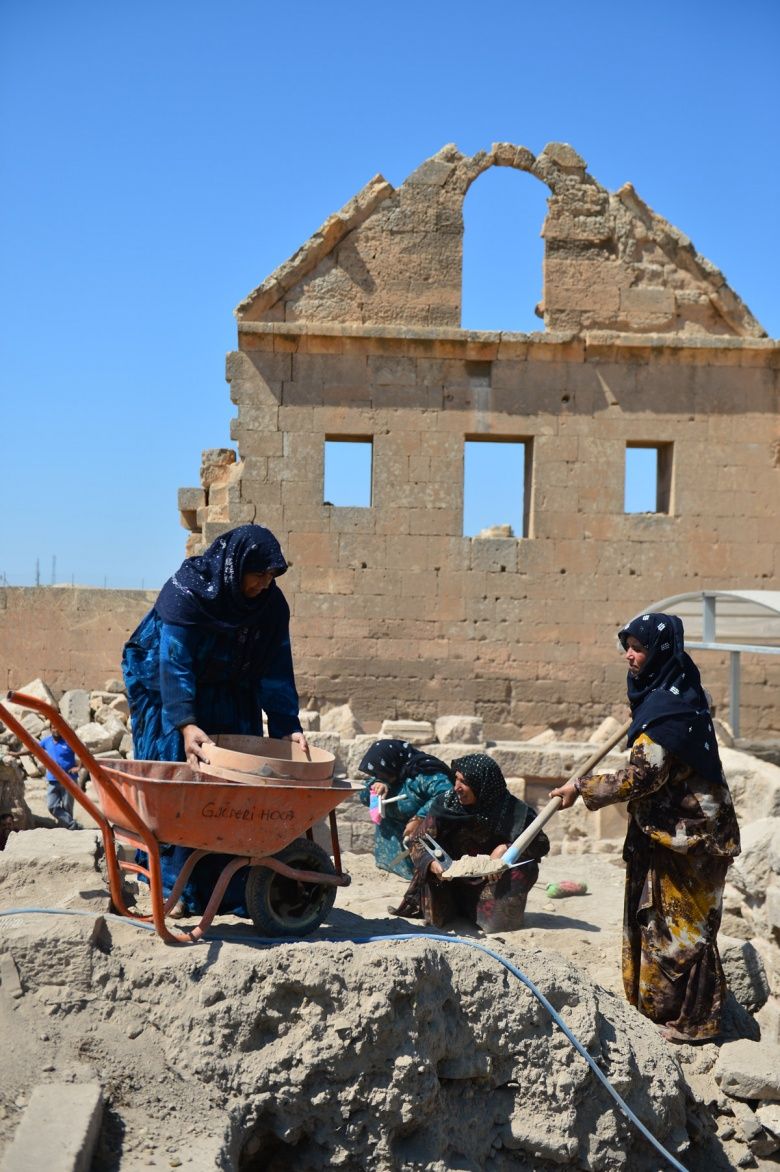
[280, 906]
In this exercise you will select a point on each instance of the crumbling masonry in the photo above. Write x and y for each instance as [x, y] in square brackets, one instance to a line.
[357, 337]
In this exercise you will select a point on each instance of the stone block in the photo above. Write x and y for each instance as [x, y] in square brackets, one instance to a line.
[416, 732]
[760, 856]
[608, 727]
[772, 908]
[96, 737]
[341, 720]
[310, 719]
[745, 972]
[749, 1070]
[451, 750]
[330, 742]
[75, 707]
[59, 1129]
[611, 821]
[460, 729]
[356, 751]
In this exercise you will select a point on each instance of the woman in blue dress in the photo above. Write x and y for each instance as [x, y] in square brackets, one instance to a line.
[210, 657]
[397, 770]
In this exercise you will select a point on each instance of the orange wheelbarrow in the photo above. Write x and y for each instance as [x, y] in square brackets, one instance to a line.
[265, 823]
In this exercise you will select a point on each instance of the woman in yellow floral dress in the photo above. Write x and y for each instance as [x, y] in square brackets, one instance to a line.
[682, 835]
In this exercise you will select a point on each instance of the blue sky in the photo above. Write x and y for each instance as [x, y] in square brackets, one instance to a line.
[159, 160]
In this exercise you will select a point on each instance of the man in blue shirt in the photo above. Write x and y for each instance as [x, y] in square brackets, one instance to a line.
[58, 800]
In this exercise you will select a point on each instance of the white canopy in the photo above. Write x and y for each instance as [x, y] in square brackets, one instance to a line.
[734, 621]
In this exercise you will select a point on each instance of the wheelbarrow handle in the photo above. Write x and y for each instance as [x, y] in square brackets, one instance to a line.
[521, 843]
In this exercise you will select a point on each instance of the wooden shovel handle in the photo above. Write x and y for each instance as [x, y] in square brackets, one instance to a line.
[543, 817]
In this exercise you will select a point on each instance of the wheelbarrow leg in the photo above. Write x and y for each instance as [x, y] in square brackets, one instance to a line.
[212, 907]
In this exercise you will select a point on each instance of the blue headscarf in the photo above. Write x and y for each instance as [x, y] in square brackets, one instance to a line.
[206, 590]
[666, 697]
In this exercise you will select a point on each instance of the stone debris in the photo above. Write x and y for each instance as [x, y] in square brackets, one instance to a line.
[464, 729]
[416, 732]
[341, 720]
[59, 1129]
[749, 1070]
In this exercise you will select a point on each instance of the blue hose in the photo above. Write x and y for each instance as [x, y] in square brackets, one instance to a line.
[513, 969]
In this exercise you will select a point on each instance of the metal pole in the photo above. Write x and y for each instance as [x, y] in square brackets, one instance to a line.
[734, 680]
[708, 619]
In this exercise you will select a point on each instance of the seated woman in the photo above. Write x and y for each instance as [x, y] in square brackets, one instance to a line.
[396, 768]
[478, 816]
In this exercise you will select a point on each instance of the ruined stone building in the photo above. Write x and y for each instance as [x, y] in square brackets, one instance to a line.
[357, 338]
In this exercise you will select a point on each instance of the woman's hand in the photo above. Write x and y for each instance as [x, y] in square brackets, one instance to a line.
[194, 740]
[435, 869]
[380, 789]
[567, 793]
[299, 739]
[411, 828]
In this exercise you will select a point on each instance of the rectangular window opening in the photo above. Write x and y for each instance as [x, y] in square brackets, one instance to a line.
[348, 471]
[648, 484]
[496, 487]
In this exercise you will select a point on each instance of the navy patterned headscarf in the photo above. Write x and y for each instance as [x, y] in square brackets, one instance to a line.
[482, 775]
[392, 761]
[666, 697]
[206, 590]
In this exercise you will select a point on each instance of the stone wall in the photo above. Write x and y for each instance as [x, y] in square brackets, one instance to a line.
[69, 636]
[398, 613]
[356, 338]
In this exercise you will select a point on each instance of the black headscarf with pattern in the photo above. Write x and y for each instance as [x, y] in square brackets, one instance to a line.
[666, 697]
[482, 775]
[392, 761]
[206, 590]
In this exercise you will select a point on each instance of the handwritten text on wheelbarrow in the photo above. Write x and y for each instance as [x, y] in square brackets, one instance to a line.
[247, 814]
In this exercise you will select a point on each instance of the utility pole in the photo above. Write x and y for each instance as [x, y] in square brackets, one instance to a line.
[37, 571]
[53, 569]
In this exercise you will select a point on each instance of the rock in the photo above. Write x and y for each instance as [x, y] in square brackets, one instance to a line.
[341, 720]
[120, 706]
[35, 725]
[75, 707]
[106, 714]
[543, 738]
[101, 699]
[768, 1115]
[497, 531]
[460, 729]
[39, 690]
[30, 766]
[745, 972]
[754, 785]
[760, 856]
[126, 745]
[564, 155]
[310, 719]
[608, 727]
[113, 724]
[450, 751]
[355, 752]
[416, 732]
[96, 737]
[116, 686]
[772, 907]
[749, 1070]
[331, 743]
[723, 733]
[768, 1018]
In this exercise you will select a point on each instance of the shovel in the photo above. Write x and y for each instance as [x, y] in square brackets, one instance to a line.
[479, 866]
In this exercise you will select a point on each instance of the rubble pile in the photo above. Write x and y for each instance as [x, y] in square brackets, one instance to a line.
[418, 1053]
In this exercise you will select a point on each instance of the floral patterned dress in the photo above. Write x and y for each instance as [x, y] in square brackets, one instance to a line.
[681, 839]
